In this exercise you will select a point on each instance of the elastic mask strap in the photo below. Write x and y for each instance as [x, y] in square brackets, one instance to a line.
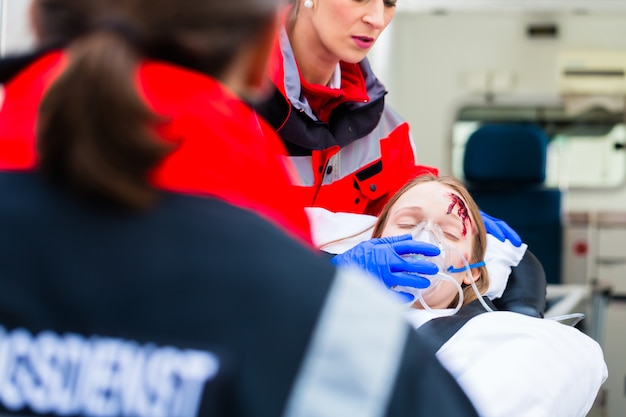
[471, 266]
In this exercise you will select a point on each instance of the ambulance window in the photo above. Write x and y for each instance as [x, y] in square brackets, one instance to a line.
[585, 150]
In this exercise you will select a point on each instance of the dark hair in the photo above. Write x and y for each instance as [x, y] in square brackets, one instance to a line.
[95, 134]
[58, 22]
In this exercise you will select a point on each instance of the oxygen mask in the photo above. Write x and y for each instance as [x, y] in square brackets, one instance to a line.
[431, 233]
[442, 285]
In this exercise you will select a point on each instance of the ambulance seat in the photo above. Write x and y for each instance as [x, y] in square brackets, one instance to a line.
[504, 167]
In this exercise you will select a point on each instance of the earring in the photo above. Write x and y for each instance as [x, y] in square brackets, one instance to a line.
[308, 4]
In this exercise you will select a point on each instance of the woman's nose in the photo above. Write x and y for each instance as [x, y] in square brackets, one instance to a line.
[375, 14]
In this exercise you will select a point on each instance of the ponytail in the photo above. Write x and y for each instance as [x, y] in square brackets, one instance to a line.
[94, 132]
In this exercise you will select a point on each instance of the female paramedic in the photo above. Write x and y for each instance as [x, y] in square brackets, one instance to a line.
[509, 364]
[128, 288]
[221, 168]
[350, 149]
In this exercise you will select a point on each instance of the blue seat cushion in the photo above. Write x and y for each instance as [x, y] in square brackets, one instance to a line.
[535, 214]
[506, 154]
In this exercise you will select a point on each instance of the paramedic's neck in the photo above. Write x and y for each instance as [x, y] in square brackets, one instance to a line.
[316, 63]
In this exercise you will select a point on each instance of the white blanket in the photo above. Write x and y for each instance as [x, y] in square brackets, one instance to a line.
[512, 365]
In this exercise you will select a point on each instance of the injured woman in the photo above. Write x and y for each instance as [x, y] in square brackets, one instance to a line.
[509, 364]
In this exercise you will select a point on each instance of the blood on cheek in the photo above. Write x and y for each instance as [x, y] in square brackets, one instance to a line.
[462, 211]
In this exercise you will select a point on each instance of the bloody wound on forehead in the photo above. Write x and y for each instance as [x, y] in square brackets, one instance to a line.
[461, 211]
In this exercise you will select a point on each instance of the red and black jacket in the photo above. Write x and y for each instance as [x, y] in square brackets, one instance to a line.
[202, 116]
[351, 150]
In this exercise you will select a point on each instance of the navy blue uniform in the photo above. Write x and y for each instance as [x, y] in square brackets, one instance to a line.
[193, 308]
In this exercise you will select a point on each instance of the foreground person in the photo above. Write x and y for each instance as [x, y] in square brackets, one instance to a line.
[132, 288]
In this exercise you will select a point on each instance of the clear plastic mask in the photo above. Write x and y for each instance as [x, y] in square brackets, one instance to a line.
[431, 233]
[450, 260]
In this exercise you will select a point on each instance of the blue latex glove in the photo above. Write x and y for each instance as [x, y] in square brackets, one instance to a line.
[382, 258]
[500, 230]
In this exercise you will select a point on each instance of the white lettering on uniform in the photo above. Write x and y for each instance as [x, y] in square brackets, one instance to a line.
[192, 374]
[70, 353]
[98, 382]
[9, 395]
[18, 343]
[100, 377]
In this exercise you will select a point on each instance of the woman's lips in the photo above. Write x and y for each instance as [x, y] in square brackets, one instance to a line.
[363, 42]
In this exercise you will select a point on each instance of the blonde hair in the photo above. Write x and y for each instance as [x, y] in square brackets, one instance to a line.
[479, 244]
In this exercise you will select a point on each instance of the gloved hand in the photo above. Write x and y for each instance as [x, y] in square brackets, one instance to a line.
[382, 257]
[500, 230]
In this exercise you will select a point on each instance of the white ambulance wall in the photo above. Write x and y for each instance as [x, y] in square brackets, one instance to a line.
[430, 64]
[15, 33]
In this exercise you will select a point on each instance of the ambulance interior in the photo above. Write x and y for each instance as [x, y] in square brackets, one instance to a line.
[452, 67]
